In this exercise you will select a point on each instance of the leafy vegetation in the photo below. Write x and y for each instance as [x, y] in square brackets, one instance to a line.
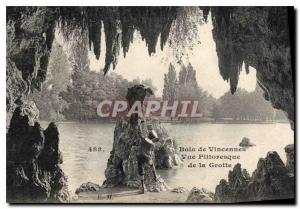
[72, 91]
[240, 106]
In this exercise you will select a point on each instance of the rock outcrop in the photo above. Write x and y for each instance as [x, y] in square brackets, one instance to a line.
[33, 158]
[223, 193]
[138, 143]
[166, 153]
[270, 181]
[246, 143]
[236, 188]
[179, 190]
[290, 161]
[29, 37]
[200, 196]
[88, 187]
[122, 166]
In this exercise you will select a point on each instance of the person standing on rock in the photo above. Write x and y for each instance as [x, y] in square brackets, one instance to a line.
[146, 146]
[145, 157]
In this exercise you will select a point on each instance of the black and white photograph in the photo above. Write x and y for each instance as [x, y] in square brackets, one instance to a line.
[150, 104]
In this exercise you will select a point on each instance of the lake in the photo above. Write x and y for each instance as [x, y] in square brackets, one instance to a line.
[86, 148]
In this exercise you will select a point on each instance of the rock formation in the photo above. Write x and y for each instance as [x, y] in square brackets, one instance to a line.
[246, 143]
[290, 161]
[135, 153]
[88, 187]
[179, 190]
[122, 166]
[223, 193]
[166, 153]
[200, 196]
[270, 181]
[235, 189]
[33, 158]
[29, 37]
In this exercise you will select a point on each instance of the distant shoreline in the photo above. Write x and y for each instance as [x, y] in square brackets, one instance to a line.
[175, 122]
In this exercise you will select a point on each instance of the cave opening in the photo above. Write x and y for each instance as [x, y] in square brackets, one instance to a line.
[85, 33]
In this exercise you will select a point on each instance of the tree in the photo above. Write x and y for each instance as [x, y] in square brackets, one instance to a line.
[149, 83]
[89, 87]
[244, 105]
[189, 89]
[170, 84]
[186, 88]
[77, 93]
[215, 112]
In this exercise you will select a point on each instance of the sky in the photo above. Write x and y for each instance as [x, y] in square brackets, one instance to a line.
[203, 58]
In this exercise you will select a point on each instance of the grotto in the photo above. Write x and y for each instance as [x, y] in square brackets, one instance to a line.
[255, 36]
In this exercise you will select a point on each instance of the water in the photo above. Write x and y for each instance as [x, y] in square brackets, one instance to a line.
[82, 164]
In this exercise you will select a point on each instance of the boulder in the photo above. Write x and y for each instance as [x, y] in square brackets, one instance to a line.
[179, 190]
[246, 142]
[88, 187]
[200, 196]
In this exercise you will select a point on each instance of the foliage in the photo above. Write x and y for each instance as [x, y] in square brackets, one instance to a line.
[90, 87]
[170, 84]
[185, 87]
[184, 34]
[244, 105]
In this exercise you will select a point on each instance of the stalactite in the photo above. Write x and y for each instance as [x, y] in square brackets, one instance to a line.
[168, 19]
[256, 36]
[112, 38]
[119, 26]
[128, 28]
[259, 37]
[94, 30]
[205, 11]
[247, 67]
[234, 76]
[150, 22]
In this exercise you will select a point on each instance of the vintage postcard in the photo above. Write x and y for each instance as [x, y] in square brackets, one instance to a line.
[152, 104]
